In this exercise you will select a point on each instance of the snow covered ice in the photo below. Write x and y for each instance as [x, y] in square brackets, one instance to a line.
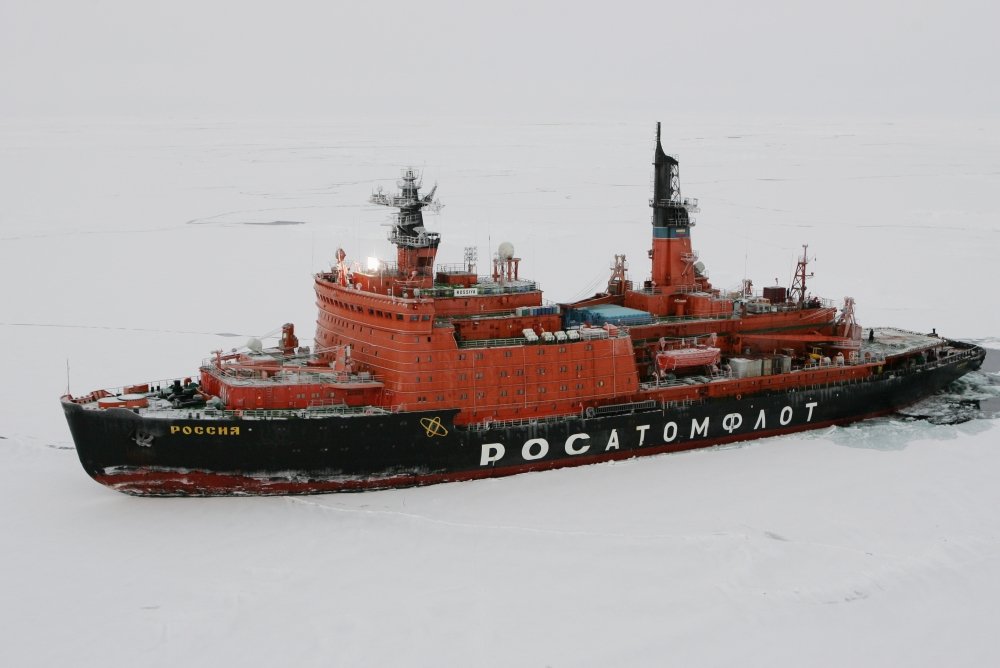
[132, 249]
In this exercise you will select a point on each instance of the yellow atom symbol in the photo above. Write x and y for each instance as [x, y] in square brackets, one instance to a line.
[433, 426]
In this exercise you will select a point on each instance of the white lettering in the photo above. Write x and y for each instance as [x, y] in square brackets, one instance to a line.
[811, 405]
[543, 449]
[701, 429]
[612, 441]
[761, 421]
[572, 449]
[492, 452]
[669, 432]
[732, 422]
[642, 433]
[786, 415]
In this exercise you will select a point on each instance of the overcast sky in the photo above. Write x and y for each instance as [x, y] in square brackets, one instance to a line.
[326, 57]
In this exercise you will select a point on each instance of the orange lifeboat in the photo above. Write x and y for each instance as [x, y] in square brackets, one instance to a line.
[684, 358]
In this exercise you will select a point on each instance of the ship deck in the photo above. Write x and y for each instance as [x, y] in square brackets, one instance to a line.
[890, 341]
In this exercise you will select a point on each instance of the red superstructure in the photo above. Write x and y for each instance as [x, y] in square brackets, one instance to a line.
[493, 348]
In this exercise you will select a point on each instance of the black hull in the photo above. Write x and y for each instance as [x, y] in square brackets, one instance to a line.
[310, 455]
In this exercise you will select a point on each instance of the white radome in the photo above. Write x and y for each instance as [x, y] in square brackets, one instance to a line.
[505, 251]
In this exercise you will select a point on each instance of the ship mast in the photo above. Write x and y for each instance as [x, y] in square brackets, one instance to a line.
[797, 292]
[416, 248]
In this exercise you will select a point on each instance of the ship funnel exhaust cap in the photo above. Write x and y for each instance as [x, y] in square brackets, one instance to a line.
[659, 157]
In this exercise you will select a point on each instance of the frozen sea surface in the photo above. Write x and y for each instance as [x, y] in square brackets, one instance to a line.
[129, 250]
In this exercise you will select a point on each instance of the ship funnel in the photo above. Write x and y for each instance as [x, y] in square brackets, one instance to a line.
[668, 206]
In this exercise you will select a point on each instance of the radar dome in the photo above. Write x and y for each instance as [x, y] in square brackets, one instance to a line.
[255, 345]
[506, 250]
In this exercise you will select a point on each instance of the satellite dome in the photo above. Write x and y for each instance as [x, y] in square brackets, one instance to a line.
[255, 345]
[506, 250]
